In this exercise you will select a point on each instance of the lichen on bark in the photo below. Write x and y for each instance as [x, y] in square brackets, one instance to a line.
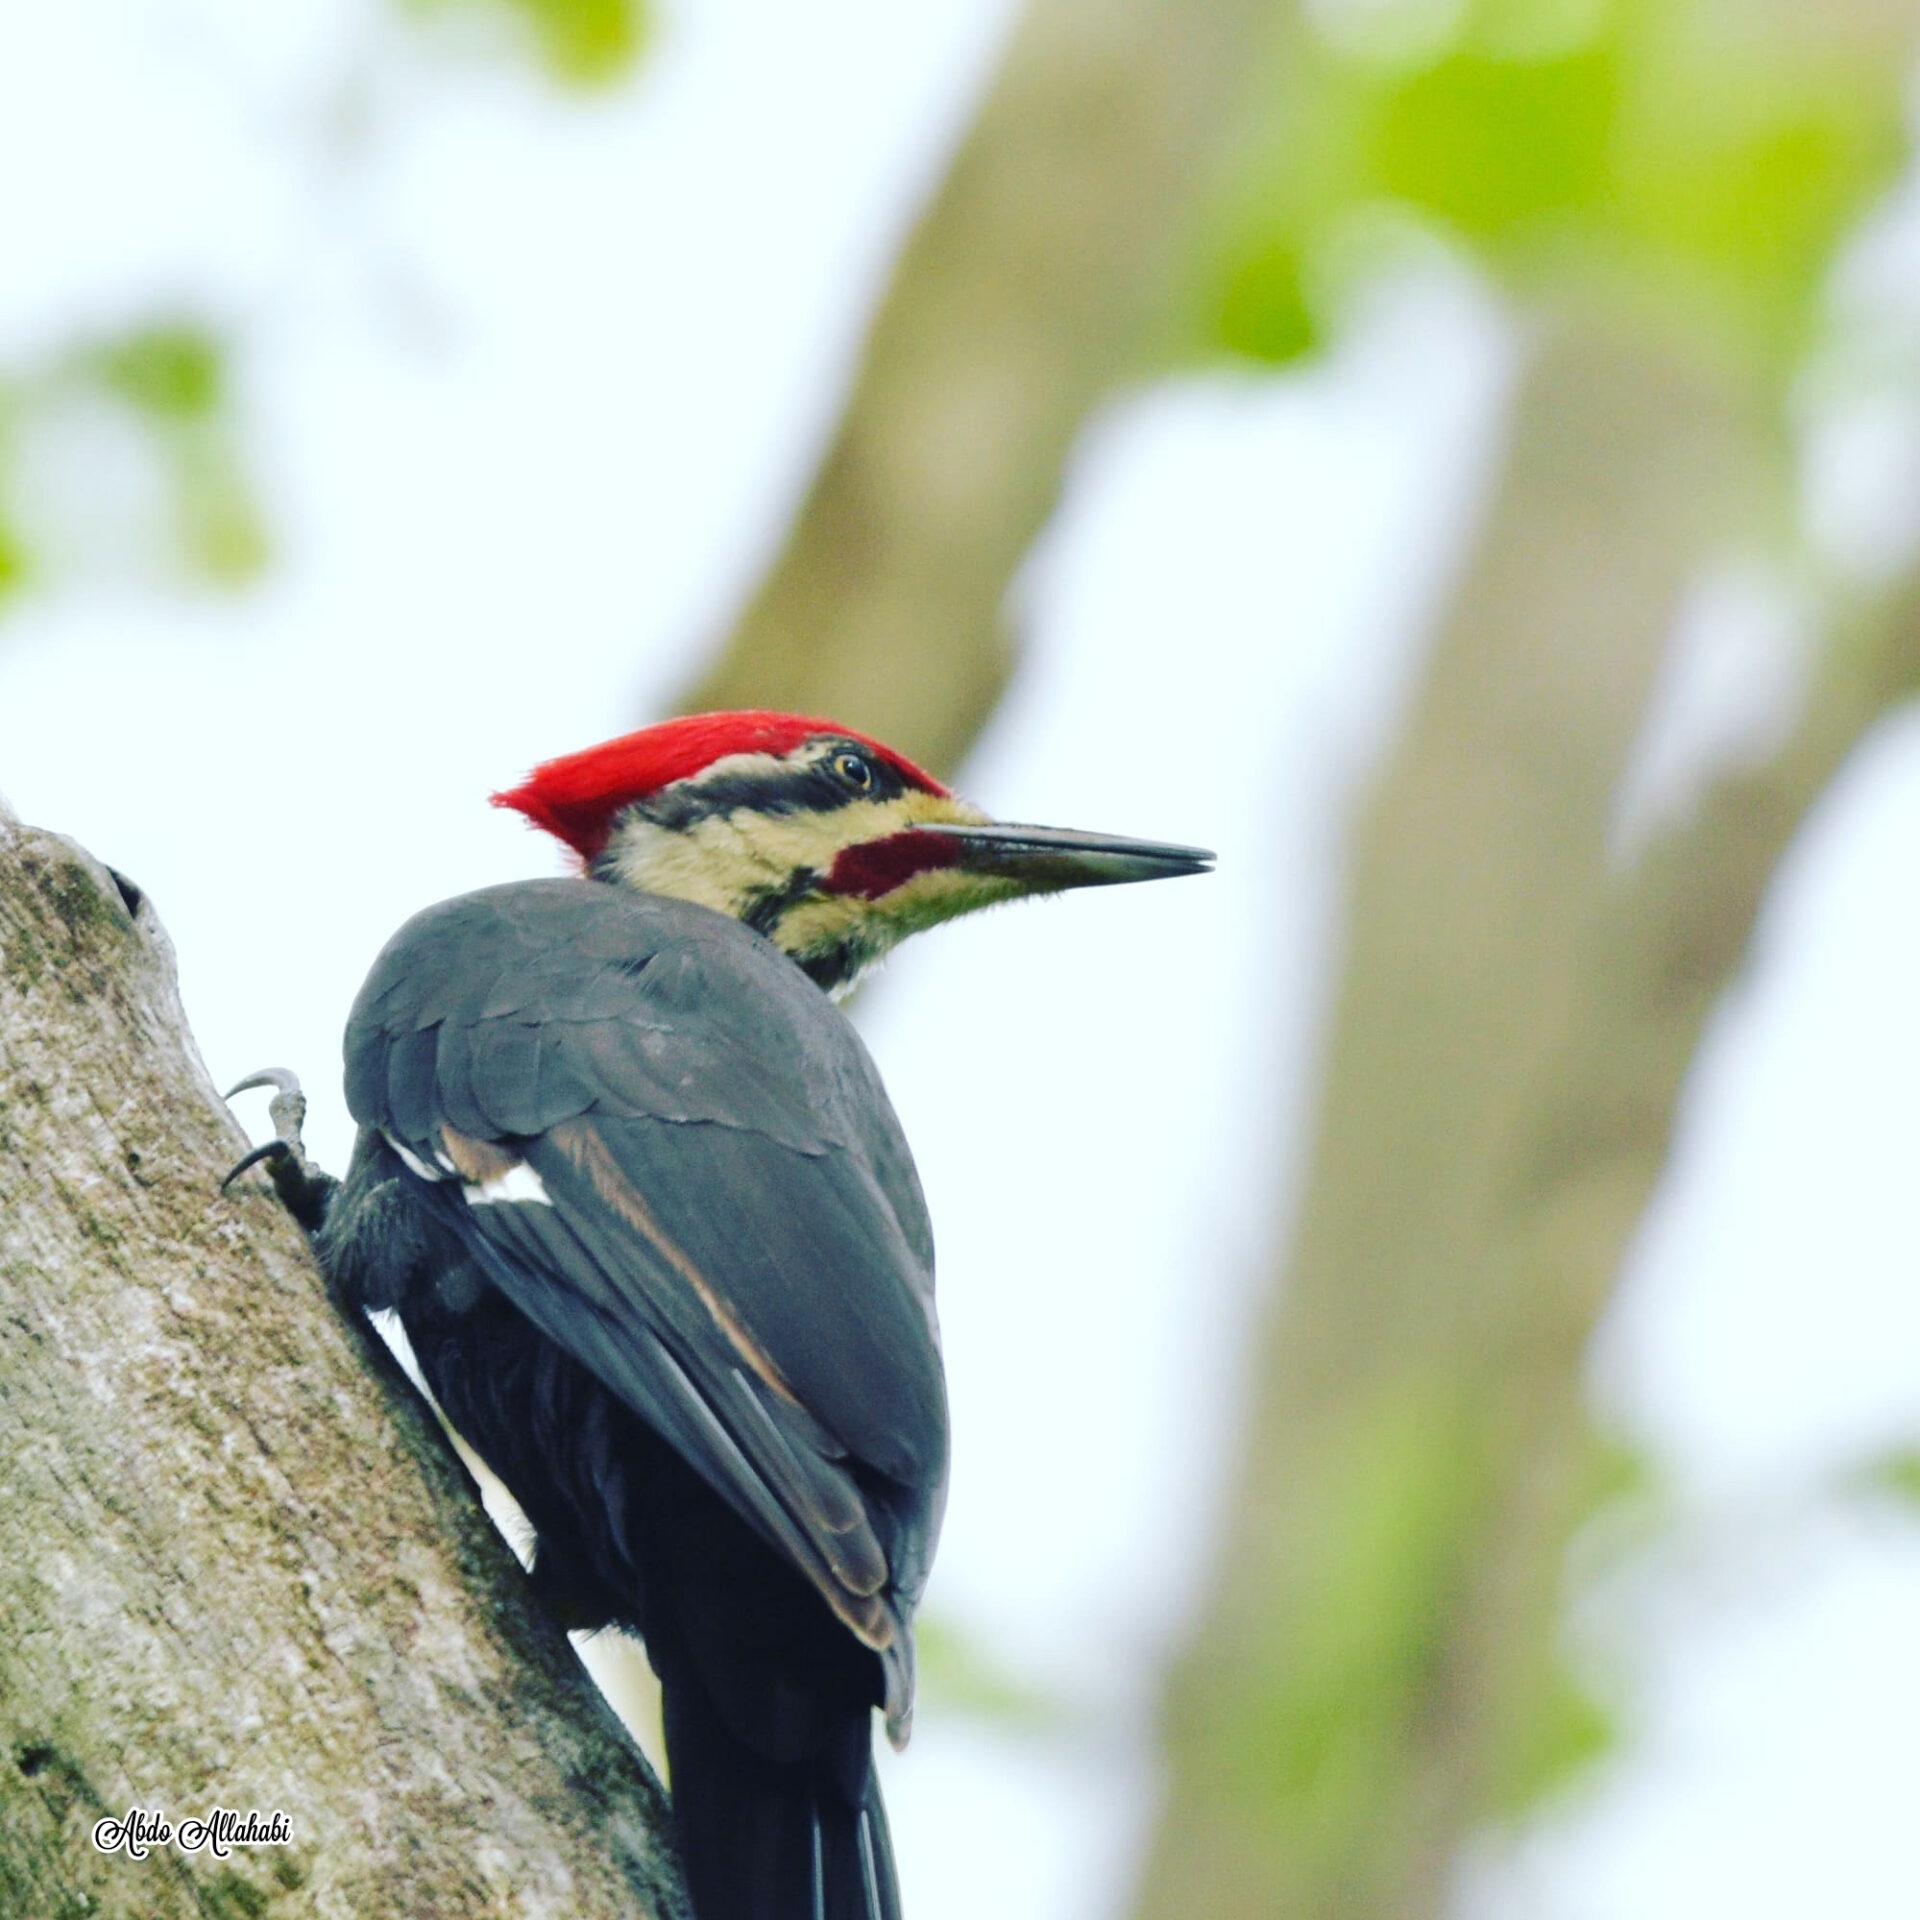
[239, 1566]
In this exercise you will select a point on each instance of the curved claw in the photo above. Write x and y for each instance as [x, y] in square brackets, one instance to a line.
[304, 1189]
[284, 1078]
[273, 1150]
[288, 1107]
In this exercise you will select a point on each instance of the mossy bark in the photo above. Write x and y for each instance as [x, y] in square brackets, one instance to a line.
[239, 1566]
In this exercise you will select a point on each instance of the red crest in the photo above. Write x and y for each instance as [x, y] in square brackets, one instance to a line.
[577, 797]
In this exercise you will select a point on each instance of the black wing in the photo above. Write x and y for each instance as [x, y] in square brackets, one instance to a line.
[672, 1153]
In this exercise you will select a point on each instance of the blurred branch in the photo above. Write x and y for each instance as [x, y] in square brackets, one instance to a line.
[238, 1566]
[1021, 299]
[1517, 1018]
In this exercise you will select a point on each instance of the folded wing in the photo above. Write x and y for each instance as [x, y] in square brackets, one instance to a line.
[670, 1150]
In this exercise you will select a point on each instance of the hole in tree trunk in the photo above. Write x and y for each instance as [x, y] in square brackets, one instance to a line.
[129, 892]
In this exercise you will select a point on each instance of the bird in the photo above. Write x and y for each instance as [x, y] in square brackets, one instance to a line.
[630, 1181]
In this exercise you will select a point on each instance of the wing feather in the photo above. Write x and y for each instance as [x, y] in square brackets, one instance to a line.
[503, 1067]
[415, 1103]
[718, 1217]
[453, 1080]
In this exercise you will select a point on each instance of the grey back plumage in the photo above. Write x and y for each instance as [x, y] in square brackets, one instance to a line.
[716, 1211]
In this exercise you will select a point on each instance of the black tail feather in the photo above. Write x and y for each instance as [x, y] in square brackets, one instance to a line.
[767, 1840]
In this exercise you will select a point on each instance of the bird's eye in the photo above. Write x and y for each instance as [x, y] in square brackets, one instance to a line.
[854, 770]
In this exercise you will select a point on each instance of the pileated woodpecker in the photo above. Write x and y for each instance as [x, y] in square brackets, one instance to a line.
[632, 1185]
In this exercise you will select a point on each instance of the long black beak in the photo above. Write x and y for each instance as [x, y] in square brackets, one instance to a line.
[1049, 859]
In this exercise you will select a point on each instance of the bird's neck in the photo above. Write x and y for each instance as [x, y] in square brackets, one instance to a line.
[832, 938]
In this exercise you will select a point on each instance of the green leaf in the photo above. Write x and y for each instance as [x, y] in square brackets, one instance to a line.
[1896, 1474]
[580, 42]
[174, 371]
[1751, 175]
[1312, 1736]
[1262, 305]
[1701, 163]
[1499, 148]
[221, 531]
[1563, 1729]
[13, 562]
[587, 42]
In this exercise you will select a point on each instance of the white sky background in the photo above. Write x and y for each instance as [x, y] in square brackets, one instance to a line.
[530, 385]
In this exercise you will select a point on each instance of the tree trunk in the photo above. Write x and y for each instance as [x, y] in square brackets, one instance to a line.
[1026, 293]
[239, 1566]
[1376, 1671]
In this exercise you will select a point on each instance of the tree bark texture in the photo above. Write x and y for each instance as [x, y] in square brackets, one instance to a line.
[239, 1566]
[1024, 295]
[1518, 1013]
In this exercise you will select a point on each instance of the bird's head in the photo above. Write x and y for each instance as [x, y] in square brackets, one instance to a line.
[833, 846]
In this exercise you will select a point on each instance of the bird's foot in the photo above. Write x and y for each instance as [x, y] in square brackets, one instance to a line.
[305, 1190]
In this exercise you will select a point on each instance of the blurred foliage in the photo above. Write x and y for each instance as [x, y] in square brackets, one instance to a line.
[218, 521]
[1311, 1739]
[169, 380]
[175, 375]
[170, 376]
[1690, 157]
[1566, 1721]
[1321, 1741]
[1895, 1475]
[1566, 1727]
[581, 42]
[960, 1675]
[172, 371]
[1316, 1744]
[13, 556]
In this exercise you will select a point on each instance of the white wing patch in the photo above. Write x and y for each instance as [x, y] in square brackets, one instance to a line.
[519, 1184]
[414, 1163]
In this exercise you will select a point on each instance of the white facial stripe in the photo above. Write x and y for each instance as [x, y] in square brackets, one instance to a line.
[720, 861]
[698, 865]
[519, 1184]
[751, 764]
[809, 753]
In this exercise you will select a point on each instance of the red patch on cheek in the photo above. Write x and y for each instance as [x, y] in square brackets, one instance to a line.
[875, 867]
